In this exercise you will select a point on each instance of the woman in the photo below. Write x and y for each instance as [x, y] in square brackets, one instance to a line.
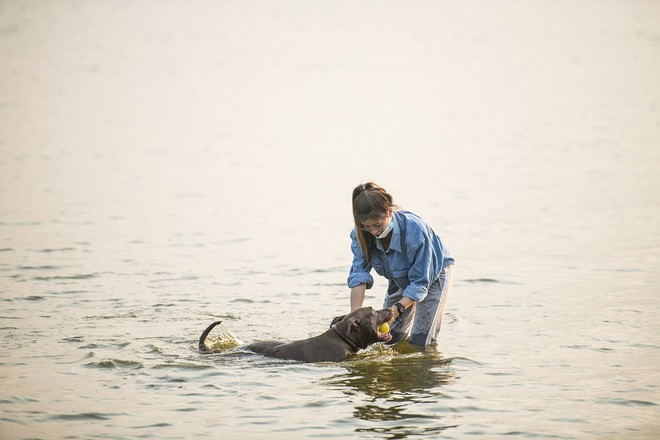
[400, 246]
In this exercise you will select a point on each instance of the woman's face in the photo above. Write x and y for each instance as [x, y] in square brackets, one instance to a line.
[376, 226]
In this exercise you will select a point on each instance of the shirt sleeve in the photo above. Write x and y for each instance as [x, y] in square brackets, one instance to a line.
[421, 270]
[359, 273]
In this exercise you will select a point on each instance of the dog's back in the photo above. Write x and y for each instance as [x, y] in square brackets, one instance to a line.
[321, 348]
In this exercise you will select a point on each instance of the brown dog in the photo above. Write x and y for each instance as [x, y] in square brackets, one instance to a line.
[347, 334]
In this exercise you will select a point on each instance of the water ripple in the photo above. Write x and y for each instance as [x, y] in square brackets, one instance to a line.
[626, 402]
[115, 363]
[50, 250]
[83, 416]
[45, 267]
[86, 276]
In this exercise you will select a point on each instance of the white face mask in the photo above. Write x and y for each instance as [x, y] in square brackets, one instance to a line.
[387, 231]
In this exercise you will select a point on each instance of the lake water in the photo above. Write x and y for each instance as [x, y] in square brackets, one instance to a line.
[167, 164]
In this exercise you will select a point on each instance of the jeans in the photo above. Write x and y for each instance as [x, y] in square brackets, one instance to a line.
[421, 321]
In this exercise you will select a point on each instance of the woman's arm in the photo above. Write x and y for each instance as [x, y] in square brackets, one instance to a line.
[405, 302]
[357, 296]
[359, 279]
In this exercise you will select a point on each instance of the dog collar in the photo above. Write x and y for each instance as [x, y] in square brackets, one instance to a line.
[345, 338]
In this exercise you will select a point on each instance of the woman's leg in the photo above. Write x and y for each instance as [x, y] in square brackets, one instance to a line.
[400, 327]
[430, 310]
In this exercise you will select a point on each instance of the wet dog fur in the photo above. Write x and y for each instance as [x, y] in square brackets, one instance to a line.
[347, 335]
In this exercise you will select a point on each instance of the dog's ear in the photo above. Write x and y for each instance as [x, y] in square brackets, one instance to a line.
[337, 319]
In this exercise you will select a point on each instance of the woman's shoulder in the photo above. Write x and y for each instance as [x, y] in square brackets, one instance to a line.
[416, 228]
[411, 218]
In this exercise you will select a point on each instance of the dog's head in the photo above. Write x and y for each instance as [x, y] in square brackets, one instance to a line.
[361, 326]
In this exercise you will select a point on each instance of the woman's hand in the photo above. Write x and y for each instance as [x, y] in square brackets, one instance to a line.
[405, 302]
[395, 313]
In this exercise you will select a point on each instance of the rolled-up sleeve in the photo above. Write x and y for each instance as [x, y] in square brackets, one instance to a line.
[359, 273]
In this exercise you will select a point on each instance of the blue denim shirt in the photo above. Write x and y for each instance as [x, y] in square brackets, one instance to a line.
[413, 262]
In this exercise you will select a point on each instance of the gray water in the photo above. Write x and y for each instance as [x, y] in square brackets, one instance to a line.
[167, 164]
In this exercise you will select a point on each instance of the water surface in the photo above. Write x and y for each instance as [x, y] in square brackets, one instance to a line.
[165, 167]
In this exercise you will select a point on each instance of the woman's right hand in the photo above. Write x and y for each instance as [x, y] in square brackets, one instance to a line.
[395, 313]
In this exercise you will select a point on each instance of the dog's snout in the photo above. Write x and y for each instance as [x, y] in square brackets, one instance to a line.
[385, 315]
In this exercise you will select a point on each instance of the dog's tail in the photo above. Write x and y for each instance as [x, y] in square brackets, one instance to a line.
[202, 346]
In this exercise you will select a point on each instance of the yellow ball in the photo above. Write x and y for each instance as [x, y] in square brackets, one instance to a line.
[385, 328]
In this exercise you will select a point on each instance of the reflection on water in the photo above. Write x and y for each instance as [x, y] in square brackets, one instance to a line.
[388, 382]
[405, 431]
[392, 375]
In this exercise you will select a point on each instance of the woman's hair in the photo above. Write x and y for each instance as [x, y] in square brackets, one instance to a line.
[370, 202]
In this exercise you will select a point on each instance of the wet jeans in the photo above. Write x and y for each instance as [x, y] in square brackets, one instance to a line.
[421, 321]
